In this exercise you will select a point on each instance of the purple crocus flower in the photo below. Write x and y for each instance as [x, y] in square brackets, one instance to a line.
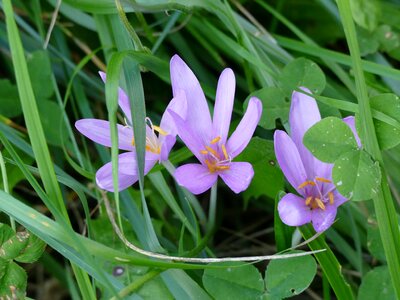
[312, 179]
[208, 139]
[159, 141]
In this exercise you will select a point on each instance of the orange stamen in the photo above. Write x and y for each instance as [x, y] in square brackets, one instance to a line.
[211, 150]
[305, 183]
[215, 140]
[331, 198]
[150, 149]
[210, 166]
[225, 152]
[203, 151]
[320, 204]
[323, 179]
[308, 201]
[133, 142]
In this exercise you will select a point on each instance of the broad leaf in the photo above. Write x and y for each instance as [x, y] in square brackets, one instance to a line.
[389, 104]
[289, 277]
[268, 178]
[244, 282]
[10, 106]
[302, 73]
[376, 285]
[356, 176]
[329, 139]
[275, 106]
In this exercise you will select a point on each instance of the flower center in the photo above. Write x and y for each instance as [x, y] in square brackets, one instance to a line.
[153, 144]
[217, 158]
[317, 194]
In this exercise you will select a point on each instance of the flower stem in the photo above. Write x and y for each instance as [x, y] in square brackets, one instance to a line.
[213, 207]
[383, 202]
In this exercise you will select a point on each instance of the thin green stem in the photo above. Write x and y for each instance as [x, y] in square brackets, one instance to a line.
[5, 185]
[212, 212]
[135, 285]
[383, 202]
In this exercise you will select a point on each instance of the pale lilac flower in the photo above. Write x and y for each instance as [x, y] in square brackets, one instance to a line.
[208, 139]
[312, 179]
[159, 141]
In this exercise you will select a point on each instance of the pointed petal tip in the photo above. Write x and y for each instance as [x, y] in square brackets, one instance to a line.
[103, 76]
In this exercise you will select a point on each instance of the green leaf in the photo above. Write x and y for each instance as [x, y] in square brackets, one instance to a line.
[275, 106]
[10, 105]
[329, 138]
[356, 176]
[366, 13]
[374, 243]
[388, 38]
[389, 104]
[376, 285]
[11, 244]
[33, 250]
[289, 277]
[13, 283]
[244, 282]
[40, 73]
[51, 117]
[260, 153]
[302, 73]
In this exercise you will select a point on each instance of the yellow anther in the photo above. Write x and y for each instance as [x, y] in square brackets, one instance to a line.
[225, 152]
[133, 142]
[331, 198]
[159, 130]
[211, 150]
[323, 179]
[215, 140]
[308, 201]
[203, 151]
[305, 183]
[223, 168]
[320, 204]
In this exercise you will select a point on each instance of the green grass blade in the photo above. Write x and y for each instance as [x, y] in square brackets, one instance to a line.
[329, 264]
[383, 202]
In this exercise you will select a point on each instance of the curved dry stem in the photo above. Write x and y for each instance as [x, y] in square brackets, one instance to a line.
[193, 259]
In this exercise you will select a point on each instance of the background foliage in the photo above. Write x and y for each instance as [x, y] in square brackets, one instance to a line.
[274, 47]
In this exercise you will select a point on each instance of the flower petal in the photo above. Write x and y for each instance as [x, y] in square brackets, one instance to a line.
[338, 198]
[244, 131]
[167, 144]
[303, 114]
[104, 178]
[195, 177]
[289, 159]
[323, 219]
[99, 132]
[293, 211]
[190, 139]
[238, 177]
[179, 105]
[123, 100]
[198, 114]
[224, 104]
[127, 171]
[351, 122]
